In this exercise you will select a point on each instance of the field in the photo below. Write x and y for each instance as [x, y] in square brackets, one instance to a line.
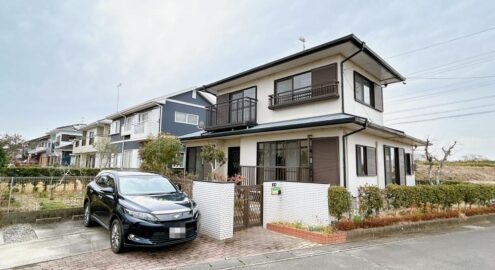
[463, 171]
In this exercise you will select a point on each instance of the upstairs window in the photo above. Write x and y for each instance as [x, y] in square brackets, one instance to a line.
[186, 118]
[297, 83]
[365, 160]
[367, 92]
[115, 127]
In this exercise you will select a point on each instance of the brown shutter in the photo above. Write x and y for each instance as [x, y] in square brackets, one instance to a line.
[371, 160]
[378, 97]
[326, 161]
[324, 74]
[402, 167]
[223, 108]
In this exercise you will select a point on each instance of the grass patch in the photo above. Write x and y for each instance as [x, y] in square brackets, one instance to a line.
[53, 205]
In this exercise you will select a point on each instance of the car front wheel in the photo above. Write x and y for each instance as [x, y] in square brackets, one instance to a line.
[116, 237]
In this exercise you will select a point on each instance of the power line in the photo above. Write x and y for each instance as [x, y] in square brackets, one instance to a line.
[452, 78]
[441, 43]
[450, 90]
[443, 117]
[440, 112]
[442, 104]
[468, 61]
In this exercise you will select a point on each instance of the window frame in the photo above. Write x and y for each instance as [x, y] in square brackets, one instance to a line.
[372, 92]
[117, 127]
[396, 164]
[291, 77]
[187, 115]
[365, 159]
[409, 161]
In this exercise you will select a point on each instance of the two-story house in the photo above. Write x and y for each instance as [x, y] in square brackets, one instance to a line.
[313, 116]
[54, 148]
[93, 149]
[61, 139]
[177, 113]
[38, 149]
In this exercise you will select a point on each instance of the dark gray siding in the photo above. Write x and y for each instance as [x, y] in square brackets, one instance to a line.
[187, 97]
[129, 145]
[117, 137]
[168, 118]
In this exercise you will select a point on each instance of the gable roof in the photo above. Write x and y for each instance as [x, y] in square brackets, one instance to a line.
[159, 101]
[345, 46]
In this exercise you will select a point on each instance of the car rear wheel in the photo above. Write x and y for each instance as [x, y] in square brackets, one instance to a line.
[88, 222]
[116, 237]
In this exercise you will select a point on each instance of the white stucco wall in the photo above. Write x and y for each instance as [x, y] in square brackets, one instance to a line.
[216, 206]
[377, 142]
[304, 202]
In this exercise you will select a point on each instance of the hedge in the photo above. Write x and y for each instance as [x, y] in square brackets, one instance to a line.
[45, 171]
[370, 200]
[339, 201]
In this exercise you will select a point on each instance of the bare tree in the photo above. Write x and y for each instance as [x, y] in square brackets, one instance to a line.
[447, 151]
[66, 172]
[104, 150]
[429, 159]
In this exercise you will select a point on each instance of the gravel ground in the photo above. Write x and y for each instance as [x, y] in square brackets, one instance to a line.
[18, 233]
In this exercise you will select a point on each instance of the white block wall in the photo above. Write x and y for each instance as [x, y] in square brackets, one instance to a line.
[305, 202]
[216, 205]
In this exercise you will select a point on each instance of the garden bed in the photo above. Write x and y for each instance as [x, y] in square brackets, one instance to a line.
[315, 236]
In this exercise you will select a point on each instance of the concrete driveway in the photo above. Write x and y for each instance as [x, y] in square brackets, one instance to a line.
[54, 241]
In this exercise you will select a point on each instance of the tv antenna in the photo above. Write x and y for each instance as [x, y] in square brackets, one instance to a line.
[303, 40]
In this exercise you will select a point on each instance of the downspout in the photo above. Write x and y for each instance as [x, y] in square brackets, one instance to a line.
[342, 74]
[344, 143]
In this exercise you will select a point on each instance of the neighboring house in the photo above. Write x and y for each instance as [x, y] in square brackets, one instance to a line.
[93, 149]
[61, 144]
[314, 116]
[38, 149]
[178, 113]
[54, 148]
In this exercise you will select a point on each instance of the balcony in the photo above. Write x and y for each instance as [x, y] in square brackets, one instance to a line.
[307, 94]
[234, 113]
[145, 129]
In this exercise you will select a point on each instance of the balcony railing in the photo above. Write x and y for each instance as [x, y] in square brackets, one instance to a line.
[231, 114]
[305, 94]
[256, 175]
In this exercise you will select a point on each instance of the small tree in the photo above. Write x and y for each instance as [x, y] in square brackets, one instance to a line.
[13, 145]
[429, 159]
[104, 150]
[214, 156]
[447, 151]
[160, 153]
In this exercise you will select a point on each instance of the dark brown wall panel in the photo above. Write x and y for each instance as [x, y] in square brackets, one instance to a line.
[326, 161]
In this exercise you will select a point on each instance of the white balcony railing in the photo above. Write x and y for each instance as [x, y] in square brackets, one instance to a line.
[145, 129]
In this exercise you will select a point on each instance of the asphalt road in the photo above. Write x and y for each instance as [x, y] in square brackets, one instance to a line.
[469, 247]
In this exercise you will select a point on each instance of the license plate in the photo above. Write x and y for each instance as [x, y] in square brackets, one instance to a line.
[177, 232]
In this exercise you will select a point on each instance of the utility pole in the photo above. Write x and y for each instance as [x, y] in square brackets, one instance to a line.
[118, 95]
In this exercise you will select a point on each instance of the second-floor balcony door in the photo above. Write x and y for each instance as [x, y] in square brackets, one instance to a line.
[240, 107]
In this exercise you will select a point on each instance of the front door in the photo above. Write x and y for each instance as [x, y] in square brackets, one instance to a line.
[234, 161]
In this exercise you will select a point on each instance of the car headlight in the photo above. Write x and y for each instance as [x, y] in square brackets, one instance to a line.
[141, 215]
[195, 208]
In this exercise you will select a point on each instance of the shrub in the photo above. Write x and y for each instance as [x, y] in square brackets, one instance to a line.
[339, 201]
[370, 200]
[45, 171]
[470, 193]
[400, 196]
[450, 195]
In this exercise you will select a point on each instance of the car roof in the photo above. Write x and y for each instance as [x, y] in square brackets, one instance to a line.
[128, 173]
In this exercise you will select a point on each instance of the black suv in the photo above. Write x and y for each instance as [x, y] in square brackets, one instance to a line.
[140, 209]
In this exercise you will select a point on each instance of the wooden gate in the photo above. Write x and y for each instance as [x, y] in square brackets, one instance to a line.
[248, 206]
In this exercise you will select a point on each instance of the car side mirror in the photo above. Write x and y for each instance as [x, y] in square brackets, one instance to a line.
[107, 190]
[179, 186]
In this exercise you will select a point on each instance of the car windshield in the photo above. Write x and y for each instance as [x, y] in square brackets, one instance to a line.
[144, 184]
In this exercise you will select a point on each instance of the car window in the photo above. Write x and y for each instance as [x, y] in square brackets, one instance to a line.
[145, 184]
[110, 181]
[100, 181]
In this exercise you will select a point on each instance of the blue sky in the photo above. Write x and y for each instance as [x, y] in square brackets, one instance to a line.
[60, 61]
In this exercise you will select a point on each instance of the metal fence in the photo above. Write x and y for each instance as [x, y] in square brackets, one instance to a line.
[26, 194]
